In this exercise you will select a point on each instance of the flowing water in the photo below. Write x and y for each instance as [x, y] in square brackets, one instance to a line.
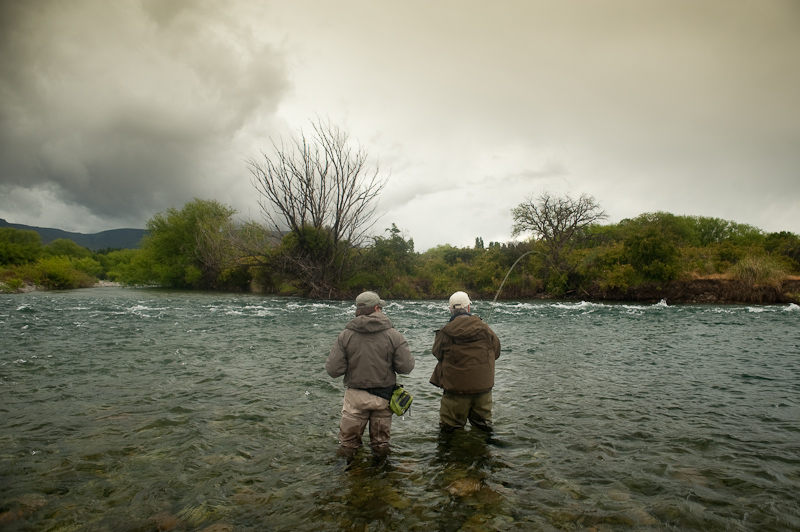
[139, 410]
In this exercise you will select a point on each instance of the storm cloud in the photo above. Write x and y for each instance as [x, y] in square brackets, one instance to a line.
[113, 111]
[126, 108]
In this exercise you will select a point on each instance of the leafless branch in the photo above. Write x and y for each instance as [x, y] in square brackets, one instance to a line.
[556, 220]
[322, 183]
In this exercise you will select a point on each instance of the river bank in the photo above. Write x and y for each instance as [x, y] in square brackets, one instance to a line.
[706, 290]
[26, 287]
[702, 290]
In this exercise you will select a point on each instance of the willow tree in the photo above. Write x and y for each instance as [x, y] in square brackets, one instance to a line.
[190, 247]
[320, 193]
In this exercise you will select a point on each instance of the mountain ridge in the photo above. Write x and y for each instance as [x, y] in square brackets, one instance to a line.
[126, 238]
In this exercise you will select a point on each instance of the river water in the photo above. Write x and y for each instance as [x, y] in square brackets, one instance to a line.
[140, 410]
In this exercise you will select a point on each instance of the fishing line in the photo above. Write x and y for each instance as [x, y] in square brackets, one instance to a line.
[491, 312]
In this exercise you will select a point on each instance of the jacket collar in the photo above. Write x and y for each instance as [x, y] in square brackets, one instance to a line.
[458, 316]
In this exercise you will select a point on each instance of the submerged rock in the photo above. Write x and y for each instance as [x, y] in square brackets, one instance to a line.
[165, 521]
[464, 487]
[219, 527]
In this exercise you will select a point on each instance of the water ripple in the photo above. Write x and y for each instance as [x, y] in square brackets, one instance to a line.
[143, 410]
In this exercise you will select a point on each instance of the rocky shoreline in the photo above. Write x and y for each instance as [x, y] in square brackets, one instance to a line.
[106, 284]
[31, 287]
[711, 290]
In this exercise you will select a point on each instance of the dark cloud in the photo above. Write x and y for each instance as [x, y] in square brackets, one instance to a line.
[126, 108]
[113, 111]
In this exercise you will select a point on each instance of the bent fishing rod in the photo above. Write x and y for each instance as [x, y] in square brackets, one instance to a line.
[491, 312]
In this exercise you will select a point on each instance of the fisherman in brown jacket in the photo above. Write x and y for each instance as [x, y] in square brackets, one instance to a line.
[466, 349]
[369, 353]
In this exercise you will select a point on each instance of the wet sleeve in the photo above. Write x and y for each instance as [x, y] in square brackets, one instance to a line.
[336, 365]
[437, 345]
[496, 345]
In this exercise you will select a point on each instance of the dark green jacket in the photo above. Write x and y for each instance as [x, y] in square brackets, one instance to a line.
[466, 349]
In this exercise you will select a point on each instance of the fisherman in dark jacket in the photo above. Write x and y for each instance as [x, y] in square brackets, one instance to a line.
[369, 352]
[466, 349]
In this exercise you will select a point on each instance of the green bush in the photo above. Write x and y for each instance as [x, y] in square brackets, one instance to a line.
[63, 247]
[701, 261]
[404, 289]
[289, 289]
[618, 277]
[56, 273]
[237, 278]
[192, 276]
[785, 244]
[11, 285]
[89, 266]
[186, 248]
[653, 254]
[557, 284]
[19, 246]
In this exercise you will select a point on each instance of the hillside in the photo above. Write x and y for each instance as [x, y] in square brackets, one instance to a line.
[114, 238]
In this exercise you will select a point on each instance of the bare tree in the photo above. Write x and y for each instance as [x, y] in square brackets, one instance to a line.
[556, 220]
[320, 193]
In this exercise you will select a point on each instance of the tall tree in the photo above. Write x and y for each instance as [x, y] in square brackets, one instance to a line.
[191, 246]
[318, 191]
[557, 221]
[19, 246]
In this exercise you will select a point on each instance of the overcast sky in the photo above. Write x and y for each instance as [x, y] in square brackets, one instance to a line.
[114, 110]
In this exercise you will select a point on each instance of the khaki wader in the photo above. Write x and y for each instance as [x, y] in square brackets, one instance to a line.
[456, 409]
[361, 407]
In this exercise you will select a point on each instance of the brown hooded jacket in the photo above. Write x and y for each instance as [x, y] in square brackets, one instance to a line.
[466, 349]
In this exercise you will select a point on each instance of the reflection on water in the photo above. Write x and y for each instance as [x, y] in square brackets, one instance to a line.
[450, 488]
[142, 410]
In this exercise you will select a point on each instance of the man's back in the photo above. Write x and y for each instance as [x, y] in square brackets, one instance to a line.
[369, 352]
[466, 349]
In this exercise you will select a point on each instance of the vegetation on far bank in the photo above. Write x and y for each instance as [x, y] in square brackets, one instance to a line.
[200, 247]
[317, 198]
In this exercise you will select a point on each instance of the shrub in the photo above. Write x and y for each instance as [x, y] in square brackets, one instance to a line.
[404, 289]
[11, 285]
[653, 254]
[618, 277]
[89, 266]
[237, 278]
[192, 276]
[66, 248]
[557, 284]
[758, 270]
[56, 273]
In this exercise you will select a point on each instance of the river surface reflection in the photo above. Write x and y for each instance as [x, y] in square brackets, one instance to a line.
[139, 410]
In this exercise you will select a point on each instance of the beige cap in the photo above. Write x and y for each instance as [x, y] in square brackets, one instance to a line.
[459, 300]
[369, 299]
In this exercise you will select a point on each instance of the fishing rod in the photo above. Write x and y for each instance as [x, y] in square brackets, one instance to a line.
[491, 312]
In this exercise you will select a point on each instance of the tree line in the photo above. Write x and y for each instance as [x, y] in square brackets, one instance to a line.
[317, 196]
[200, 246]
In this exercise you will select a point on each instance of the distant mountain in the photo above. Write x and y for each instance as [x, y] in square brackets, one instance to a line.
[115, 238]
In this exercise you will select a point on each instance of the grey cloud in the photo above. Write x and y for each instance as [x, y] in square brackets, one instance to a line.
[128, 107]
[127, 111]
[552, 168]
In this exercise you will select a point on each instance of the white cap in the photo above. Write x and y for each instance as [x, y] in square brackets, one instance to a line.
[459, 300]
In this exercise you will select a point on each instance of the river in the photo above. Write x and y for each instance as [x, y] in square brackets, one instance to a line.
[139, 410]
